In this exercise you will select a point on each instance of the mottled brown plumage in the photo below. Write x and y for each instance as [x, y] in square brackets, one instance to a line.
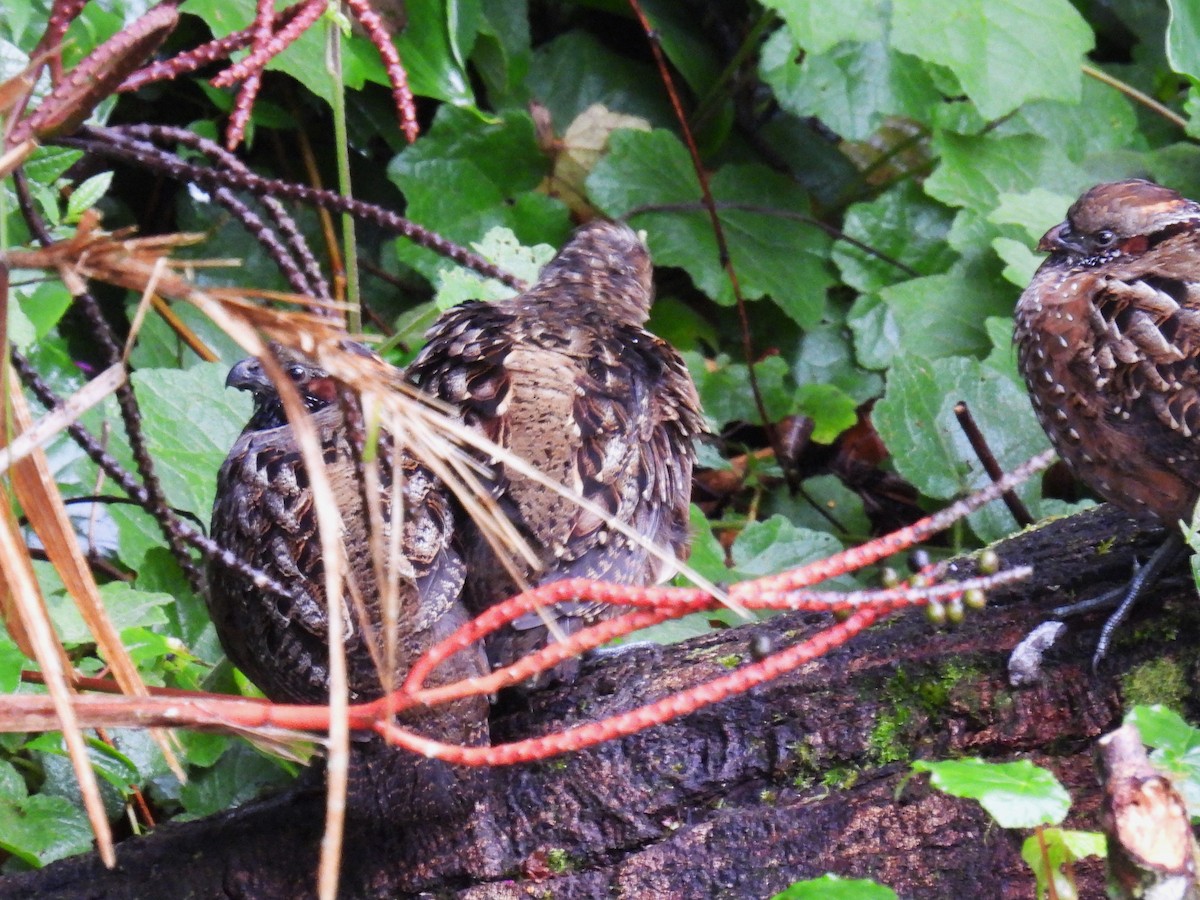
[1108, 339]
[565, 376]
[264, 513]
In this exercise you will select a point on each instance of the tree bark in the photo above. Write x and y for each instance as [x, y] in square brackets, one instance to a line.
[800, 777]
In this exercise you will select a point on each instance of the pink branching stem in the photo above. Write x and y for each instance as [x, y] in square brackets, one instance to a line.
[62, 14]
[764, 590]
[243, 104]
[664, 710]
[406, 109]
[204, 55]
[309, 12]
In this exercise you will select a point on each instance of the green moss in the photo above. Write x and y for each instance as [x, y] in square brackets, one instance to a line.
[767, 796]
[732, 661]
[559, 861]
[913, 701]
[1160, 680]
[885, 743]
[840, 777]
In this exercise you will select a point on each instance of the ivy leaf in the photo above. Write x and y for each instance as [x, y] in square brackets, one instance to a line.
[499, 246]
[433, 45]
[831, 410]
[1003, 52]
[835, 887]
[41, 828]
[1015, 794]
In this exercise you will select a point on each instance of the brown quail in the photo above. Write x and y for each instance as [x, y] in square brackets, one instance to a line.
[565, 377]
[264, 513]
[1108, 340]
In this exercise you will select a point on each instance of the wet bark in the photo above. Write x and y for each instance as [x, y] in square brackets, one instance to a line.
[796, 779]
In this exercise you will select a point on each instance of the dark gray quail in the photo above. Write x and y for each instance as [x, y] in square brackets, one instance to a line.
[1108, 340]
[264, 513]
[565, 376]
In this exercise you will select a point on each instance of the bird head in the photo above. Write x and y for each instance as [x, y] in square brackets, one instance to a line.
[1120, 218]
[316, 388]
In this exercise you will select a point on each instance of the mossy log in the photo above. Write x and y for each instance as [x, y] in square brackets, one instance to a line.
[804, 776]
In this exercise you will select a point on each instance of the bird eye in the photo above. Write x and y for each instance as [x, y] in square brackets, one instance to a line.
[295, 372]
[1105, 238]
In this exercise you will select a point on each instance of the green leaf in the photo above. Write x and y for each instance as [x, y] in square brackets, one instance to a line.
[41, 829]
[86, 195]
[1015, 794]
[126, 608]
[831, 410]
[241, 774]
[818, 26]
[433, 46]
[852, 87]
[726, 395]
[1176, 748]
[174, 404]
[499, 246]
[1052, 851]
[943, 315]
[904, 228]
[575, 71]
[464, 178]
[1003, 52]
[775, 545]
[1183, 37]
[775, 250]
[916, 421]
[835, 887]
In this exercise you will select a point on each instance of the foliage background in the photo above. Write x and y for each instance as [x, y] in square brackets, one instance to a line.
[882, 171]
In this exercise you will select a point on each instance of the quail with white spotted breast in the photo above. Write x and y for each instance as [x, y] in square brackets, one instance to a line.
[1108, 340]
[566, 377]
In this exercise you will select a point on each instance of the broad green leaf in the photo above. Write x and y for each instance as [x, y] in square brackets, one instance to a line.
[826, 356]
[775, 545]
[502, 51]
[1183, 37]
[126, 608]
[1003, 52]
[1052, 851]
[835, 887]
[575, 71]
[43, 307]
[466, 177]
[907, 232]
[852, 87]
[239, 775]
[943, 315]
[774, 249]
[916, 421]
[41, 829]
[12, 661]
[1015, 794]
[433, 46]
[818, 26]
[831, 410]
[726, 395]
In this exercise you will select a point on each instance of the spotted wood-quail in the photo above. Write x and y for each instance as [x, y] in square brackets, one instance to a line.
[1108, 340]
[565, 377]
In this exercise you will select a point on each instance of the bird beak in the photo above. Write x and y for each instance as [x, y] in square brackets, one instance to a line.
[248, 375]
[1060, 239]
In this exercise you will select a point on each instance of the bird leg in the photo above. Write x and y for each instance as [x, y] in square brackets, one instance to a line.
[1125, 598]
